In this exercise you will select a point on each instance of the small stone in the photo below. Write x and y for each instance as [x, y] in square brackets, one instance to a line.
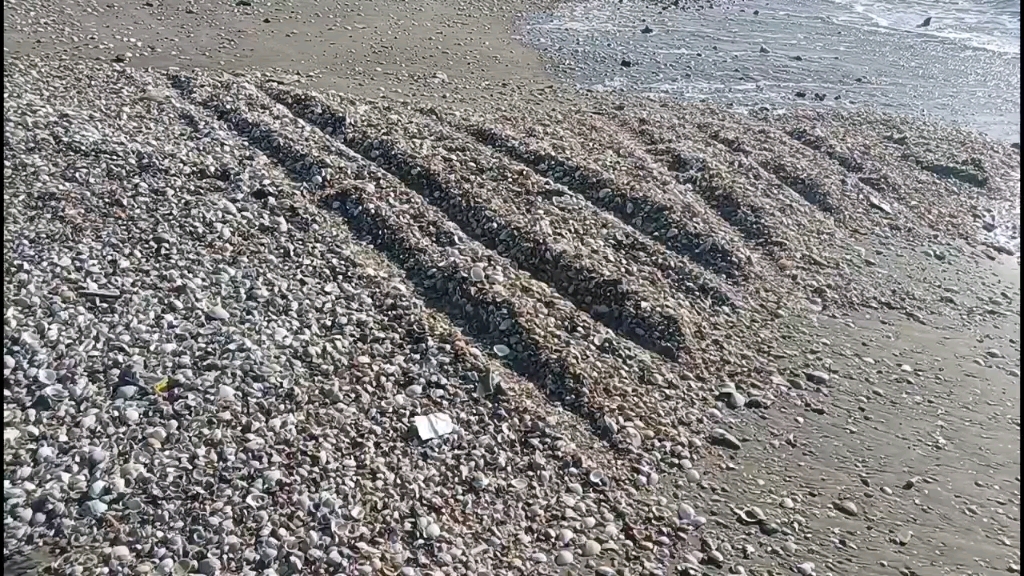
[218, 313]
[735, 401]
[563, 558]
[720, 437]
[209, 566]
[764, 50]
[94, 508]
[846, 507]
[97, 457]
[817, 377]
[590, 549]
[120, 553]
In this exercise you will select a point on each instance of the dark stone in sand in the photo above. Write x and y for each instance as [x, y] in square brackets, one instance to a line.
[927, 22]
[758, 402]
[819, 97]
[798, 58]
[765, 50]
[626, 63]
[756, 12]
[647, 30]
[801, 94]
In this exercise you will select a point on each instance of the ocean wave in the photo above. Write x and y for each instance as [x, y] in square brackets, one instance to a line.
[993, 25]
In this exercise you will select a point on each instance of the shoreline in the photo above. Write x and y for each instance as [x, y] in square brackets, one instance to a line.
[714, 56]
[666, 335]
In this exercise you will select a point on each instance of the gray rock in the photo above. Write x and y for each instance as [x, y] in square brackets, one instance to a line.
[817, 377]
[720, 437]
[846, 507]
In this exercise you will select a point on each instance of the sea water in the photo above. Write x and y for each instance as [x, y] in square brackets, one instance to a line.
[963, 68]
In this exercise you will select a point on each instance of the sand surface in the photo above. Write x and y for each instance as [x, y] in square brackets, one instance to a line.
[442, 48]
[615, 263]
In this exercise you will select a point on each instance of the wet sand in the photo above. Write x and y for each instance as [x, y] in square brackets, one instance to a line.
[919, 427]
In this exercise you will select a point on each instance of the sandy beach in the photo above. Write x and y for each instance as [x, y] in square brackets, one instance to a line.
[360, 289]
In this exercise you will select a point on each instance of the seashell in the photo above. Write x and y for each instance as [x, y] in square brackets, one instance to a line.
[55, 393]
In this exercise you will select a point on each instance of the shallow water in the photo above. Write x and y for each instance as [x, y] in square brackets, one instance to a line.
[963, 68]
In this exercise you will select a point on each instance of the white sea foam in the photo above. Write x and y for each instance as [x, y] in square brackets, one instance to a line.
[986, 25]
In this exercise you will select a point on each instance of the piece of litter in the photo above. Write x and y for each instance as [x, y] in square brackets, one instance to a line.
[433, 425]
[489, 383]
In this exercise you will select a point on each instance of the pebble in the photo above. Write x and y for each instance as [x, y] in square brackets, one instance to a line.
[818, 377]
[563, 558]
[722, 438]
[218, 313]
[846, 507]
